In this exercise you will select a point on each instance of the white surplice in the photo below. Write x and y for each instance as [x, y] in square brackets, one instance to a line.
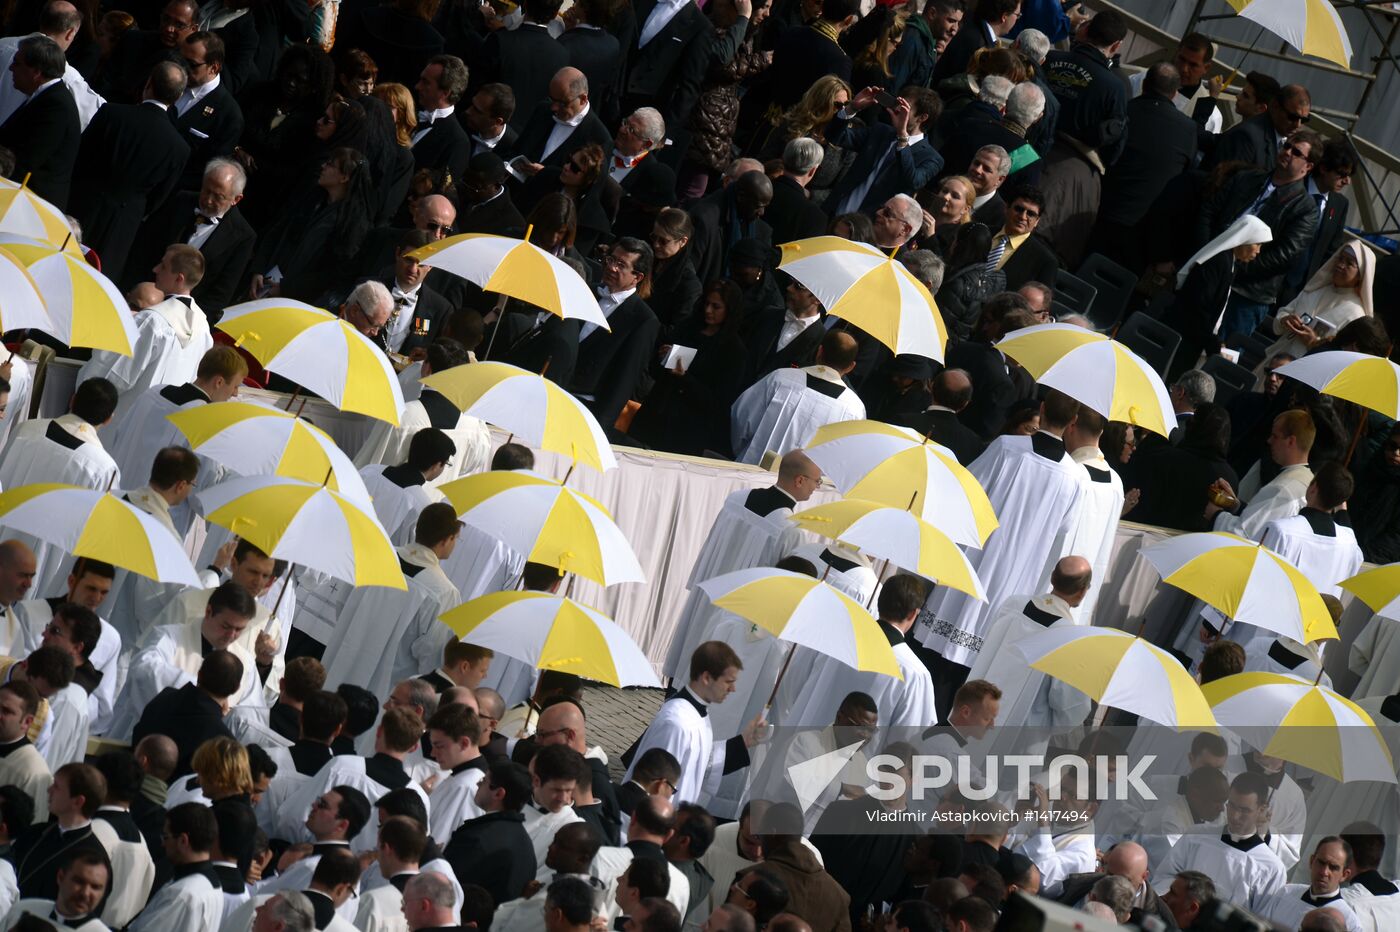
[610, 863]
[1037, 498]
[189, 903]
[752, 529]
[782, 410]
[682, 726]
[104, 657]
[388, 443]
[399, 495]
[340, 770]
[143, 430]
[21, 390]
[541, 826]
[170, 656]
[1097, 528]
[1288, 906]
[171, 338]
[133, 871]
[64, 737]
[1322, 549]
[1283, 497]
[42, 909]
[454, 800]
[1029, 698]
[1243, 875]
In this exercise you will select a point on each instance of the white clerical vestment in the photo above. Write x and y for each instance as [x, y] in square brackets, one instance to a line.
[1094, 535]
[143, 430]
[1282, 497]
[191, 901]
[22, 766]
[842, 569]
[399, 495]
[682, 726]
[454, 800]
[189, 606]
[1289, 905]
[135, 600]
[381, 910]
[1036, 491]
[104, 657]
[298, 877]
[785, 408]
[171, 655]
[64, 737]
[1029, 698]
[813, 701]
[374, 776]
[44, 909]
[1325, 551]
[1377, 910]
[388, 443]
[541, 826]
[1166, 822]
[610, 863]
[752, 529]
[133, 871]
[1245, 871]
[21, 389]
[171, 338]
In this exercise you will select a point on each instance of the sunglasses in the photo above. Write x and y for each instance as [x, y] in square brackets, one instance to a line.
[1297, 117]
[1030, 212]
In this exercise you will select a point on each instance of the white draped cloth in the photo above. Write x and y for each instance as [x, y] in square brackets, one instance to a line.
[1097, 530]
[1244, 877]
[785, 408]
[171, 338]
[396, 506]
[388, 444]
[1029, 698]
[1037, 499]
[170, 656]
[191, 902]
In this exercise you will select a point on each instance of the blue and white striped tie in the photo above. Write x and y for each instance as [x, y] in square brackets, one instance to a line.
[998, 250]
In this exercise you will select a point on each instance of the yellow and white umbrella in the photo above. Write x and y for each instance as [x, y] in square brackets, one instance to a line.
[1370, 381]
[1095, 371]
[83, 307]
[531, 407]
[318, 351]
[1298, 720]
[896, 535]
[308, 525]
[896, 466]
[547, 523]
[99, 526]
[1313, 27]
[24, 213]
[871, 289]
[1379, 588]
[1244, 580]
[803, 610]
[257, 440]
[21, 305]
[550, 632]
[1122, 671]
[517, 268]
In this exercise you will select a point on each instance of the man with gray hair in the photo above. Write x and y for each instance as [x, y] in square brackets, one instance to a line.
[1034, 44]
[926, 266]
[896, 221]
[1116, 893]
[428, 901]
[792, 215]
[367, 309]
[987, 170]
[288, 911]
[648, 184]
[60, 21]
[559, 127]
[43, 134]
[987, 122]
[130, 157]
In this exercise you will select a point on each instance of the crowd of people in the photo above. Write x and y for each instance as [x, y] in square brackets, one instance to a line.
[283, 751]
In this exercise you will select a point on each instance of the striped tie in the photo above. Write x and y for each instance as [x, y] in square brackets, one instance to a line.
[998, 250]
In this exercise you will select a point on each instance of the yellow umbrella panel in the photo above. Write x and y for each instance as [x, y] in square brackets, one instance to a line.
[26, 214]
[1313, 27]
[83, 306]
[1378, 588]
[1369, 381]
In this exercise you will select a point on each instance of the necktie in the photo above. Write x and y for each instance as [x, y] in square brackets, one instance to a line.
[1320, 200]
[998, 250]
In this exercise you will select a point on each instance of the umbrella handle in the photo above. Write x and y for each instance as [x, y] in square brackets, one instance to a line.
[781, 673]
[881, 575]
[285, 581]
[67, 237]
[292, 400]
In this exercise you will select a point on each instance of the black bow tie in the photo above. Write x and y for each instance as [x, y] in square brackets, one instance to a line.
[201, 220]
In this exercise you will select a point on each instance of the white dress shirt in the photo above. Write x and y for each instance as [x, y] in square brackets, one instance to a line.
[194, 94]
[202, 231]
[793, 327]
[562, 129]
[426, 119]
[405, 303]
[659, 17]
[607, 302]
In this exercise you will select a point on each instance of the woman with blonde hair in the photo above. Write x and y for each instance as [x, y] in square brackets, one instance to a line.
[809, 117]
[221, 766]
[400, 102]
[950, 204]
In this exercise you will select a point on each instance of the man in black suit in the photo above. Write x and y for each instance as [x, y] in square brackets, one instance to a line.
[1160, 145]
[952, 392]
[434, 215]
[668, 50]
[549, 346]
[596, 52]
[206, 114]
[486, 203]
[611, 362]
[398, 38]
[988, 171]
[791, 214]
[487, 119]
[804, 54]
[1330, 176]
[557, 128]
[997, 384]
[128, 163]
[1257, 139]
[647, 183]
[789, 339]
[211, 222]
[981, 28]
[1279, 198]
[524, 58]
[890, 159]
[439, 141]
[731, 214]
[43, 132]
[139, 50]
[1016, 249]
[419, 312]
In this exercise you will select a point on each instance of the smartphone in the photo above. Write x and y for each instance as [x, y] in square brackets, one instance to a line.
[886, 100]
[1306, 320]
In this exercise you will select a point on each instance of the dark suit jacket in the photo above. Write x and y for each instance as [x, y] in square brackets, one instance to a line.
[125, 74]
[611, 364]
[241, 40]
[430, 312]
[400, 44]
[498, 215]
[598, 54]
[978, 124]
[211, 128]
[188, 715]
[943, 427]
[525, 59]
[553, 343]
[1161, 144]
[227, 251]
[993, 213]
[129, 160]
[444, 146]
[802, 56]
[956, 57]
[1174, 481]
[667, 72]
[710, 244]
[536, 133]
[1291, 215]
[495, 852]
[765, 357]
[1331, 232]
[1077, 887]
[648, 187]
[1034, 261]
[993, 389]
[791, 214]
[1252, 140]
[43, 135]
[908, 170]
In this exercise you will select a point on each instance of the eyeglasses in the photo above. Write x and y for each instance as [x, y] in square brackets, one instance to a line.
[613, 262]
[191, 65]
[437, 228]
[1030, 213]
[1294, 151]
[551, 734]
[1296, 117]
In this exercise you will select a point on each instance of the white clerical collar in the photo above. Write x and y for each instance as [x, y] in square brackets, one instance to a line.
[1089, 453]
[939, 408]
[577, 118]
[825, 373]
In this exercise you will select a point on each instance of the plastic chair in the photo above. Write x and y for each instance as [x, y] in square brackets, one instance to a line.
[1230, 378]
[1151, 339]
[1074, 293]
[1115, 286]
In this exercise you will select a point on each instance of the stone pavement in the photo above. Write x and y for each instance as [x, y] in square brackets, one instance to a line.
[617, 717]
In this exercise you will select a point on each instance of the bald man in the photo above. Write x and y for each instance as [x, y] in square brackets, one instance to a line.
[1029, 697]
[17, 569]
[60, 21]
[1129, 861]
[564, 723]
[560, 125]
[952, 392]
[786, 407]
[751, 529]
